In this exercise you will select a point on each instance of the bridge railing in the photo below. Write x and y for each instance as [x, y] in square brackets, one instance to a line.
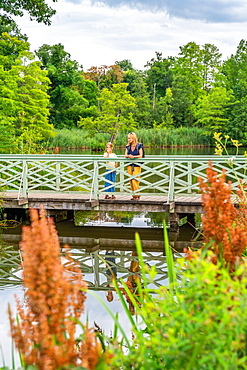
[160, 175]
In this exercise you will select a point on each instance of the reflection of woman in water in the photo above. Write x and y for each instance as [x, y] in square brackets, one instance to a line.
[132, 283]
[111, 272]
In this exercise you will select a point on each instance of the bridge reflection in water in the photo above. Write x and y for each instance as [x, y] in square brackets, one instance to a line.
[91, 245]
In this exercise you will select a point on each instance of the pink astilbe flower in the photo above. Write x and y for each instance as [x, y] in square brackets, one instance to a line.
[55, 293]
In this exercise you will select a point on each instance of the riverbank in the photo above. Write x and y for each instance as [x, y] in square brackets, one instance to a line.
[151, 138]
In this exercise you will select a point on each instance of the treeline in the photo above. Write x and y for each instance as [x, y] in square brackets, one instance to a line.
[194, 89]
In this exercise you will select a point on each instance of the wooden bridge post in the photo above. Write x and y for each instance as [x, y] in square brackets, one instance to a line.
[174, 221]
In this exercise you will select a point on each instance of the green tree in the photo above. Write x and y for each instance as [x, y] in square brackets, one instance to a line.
[210, 109]
[142, 112]
[158, 76]
[163, 116]
[38, 10]
[235, 70]
[211, 66]
[70, 95]
[183, 99]
[237, 121]
[12, 50]
[23, 91]
[115, 112]
[11, 28]
[130, 75]
[195, 71]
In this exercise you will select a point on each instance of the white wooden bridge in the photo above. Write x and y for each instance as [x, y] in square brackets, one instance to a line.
[76, 182]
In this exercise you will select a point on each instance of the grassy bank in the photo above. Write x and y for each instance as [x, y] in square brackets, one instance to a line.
[184, 136]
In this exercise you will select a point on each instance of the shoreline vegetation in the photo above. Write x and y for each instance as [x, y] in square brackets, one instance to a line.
[151, 138]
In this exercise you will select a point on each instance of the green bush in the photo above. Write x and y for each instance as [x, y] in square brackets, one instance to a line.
[198, 324]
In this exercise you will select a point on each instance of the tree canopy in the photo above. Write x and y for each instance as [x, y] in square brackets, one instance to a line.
[115, 112]
[23, 91]
[38, 10]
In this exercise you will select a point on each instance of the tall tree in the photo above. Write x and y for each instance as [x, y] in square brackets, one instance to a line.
[235, 69]
[183, 100]
[195, 71]
[23, 90]
[142, 112]
[71, 97]
[237, 121]
[212, 65]
[115, 112]
[159, 76]
[162, 112]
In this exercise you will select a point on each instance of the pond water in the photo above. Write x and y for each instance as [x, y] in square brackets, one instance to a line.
[192, 150]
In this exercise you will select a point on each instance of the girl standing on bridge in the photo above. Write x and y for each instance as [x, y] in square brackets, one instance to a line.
[110, 176]
[134, 150]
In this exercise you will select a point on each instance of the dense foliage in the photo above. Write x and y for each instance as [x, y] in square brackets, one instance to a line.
[195, 88]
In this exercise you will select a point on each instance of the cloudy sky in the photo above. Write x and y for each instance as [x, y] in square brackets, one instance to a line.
[101, 32]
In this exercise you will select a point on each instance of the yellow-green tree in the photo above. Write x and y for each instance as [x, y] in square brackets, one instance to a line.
[23, 91]
[114, 114]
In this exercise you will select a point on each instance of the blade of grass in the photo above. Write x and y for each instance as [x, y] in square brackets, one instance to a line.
[20, 355]
[169, 257]
[115, 330]
[122, 300]
[141, 262]
[13, 354]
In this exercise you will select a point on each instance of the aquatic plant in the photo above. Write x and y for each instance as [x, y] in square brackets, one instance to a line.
[45, 332]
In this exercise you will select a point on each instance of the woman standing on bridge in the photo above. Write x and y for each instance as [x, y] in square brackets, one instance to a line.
[134, 150]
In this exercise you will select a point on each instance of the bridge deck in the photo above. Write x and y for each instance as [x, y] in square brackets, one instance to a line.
[76, 201]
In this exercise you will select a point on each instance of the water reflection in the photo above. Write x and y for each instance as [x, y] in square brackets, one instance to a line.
[120, 218]
[93, 247]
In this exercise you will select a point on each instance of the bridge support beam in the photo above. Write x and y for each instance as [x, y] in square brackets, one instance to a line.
[174, 221]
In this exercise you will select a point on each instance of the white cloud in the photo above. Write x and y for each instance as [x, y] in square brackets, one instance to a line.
[98, 34]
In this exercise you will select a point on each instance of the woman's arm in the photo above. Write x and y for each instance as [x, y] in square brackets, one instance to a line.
[126, 153]
[139, 155]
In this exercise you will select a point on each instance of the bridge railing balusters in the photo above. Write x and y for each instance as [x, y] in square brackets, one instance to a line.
[25, 179]
[161, 175]
[58, 179]
[189, 177]
[171, 183]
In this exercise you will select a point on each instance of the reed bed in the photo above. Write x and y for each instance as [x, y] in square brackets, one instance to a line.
[183, 136]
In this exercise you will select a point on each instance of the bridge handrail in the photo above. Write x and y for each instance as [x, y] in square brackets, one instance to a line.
[161, 175]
